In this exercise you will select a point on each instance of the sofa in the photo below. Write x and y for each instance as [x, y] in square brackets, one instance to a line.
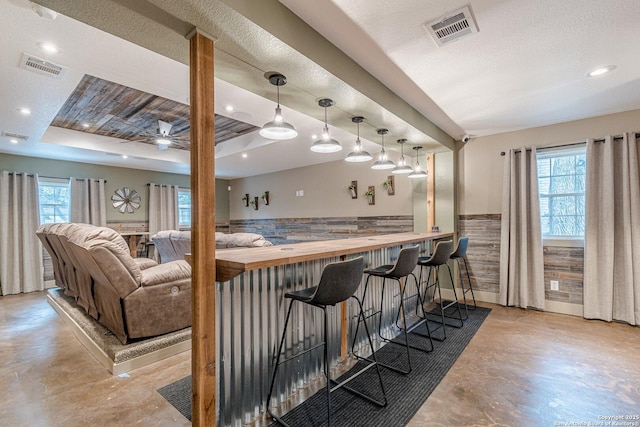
[173, 244]
[133, 297]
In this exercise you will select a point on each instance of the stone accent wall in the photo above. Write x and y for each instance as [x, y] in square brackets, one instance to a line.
[560, 263]
[294, 230]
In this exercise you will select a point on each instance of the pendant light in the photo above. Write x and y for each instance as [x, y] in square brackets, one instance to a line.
[402, 167]
[417, 172]
[278, 128]
[358, 154]
[383, 162]
[325, 144]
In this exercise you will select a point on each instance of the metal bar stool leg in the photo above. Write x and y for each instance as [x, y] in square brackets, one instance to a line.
[470, 288]
[277, 365]
[326, 364]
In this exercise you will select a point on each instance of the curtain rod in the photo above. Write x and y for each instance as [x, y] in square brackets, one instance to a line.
[549, 147]
[53, 177]
[165, 185]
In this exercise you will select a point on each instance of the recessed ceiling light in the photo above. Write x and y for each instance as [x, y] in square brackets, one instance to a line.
[13, 141]
[244, 155]
[600, 71]
[24, 111]
[48, 47]
[228, 108]
[86, 125]
[124, 156]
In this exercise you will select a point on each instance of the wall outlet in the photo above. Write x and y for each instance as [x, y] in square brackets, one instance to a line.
[554, 285]
[299, 193]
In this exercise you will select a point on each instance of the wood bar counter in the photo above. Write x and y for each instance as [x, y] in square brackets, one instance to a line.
[230, 263]
[250, 309]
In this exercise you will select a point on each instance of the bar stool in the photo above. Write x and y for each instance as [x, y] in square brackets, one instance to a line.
[339, 282]
[404, 266]
[460, 254]
[439, 258]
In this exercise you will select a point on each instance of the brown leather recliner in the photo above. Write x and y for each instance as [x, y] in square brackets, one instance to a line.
[133, 297]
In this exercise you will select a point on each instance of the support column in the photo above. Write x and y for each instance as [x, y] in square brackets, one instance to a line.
[203, 304]
[431, 191]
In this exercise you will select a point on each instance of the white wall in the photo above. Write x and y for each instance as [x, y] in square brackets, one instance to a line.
[325, 193]
[481, 165]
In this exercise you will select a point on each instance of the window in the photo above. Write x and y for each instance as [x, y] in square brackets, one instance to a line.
[54, 197]
[561, 185]
[184, 207]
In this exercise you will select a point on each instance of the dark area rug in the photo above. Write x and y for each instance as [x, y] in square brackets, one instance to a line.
[405, 393]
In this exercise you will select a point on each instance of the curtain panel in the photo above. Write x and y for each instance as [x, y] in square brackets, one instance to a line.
[21, 268]
[88, 201]
[612, 237]
[163, 208]
[521, 254]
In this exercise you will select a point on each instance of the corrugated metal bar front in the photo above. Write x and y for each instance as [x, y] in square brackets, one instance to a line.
[251, 311]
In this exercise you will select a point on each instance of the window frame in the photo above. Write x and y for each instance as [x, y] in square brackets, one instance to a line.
[183, 225]
[54, 182]
[552, 239]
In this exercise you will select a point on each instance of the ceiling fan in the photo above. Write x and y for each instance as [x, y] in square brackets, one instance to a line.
[163, 138]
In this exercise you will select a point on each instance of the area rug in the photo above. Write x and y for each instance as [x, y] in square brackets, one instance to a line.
[106, 341]
[405, 393]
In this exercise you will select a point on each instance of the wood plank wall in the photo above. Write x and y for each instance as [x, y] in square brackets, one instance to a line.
[560, 263]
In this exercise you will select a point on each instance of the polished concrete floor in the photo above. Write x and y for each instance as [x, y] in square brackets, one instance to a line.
[523, 368]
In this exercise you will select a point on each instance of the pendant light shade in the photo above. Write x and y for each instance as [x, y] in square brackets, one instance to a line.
[358, 154]
[325, 144]
[417, 171]
[278, 128]
[402, 167]
[383, 162]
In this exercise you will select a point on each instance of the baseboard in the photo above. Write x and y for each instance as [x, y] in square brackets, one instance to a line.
[104, 359]
[550, 306]
[564, 308]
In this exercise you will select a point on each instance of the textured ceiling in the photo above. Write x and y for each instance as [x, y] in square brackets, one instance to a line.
[526, 67]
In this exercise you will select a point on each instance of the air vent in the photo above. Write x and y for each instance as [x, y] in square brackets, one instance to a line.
[452, 27]
[41, 66]
[15, 135]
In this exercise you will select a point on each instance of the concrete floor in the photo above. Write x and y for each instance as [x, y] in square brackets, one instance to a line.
[523, 368]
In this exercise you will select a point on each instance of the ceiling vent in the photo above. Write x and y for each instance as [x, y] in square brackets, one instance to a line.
[453, 26]
[41, 66]
[15, 135]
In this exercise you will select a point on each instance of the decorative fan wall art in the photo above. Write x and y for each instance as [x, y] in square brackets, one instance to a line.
[125, 200]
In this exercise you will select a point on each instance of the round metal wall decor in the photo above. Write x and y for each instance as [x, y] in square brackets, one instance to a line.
[125, 200]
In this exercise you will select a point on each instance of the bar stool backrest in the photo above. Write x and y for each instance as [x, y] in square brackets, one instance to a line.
[461, 249]
[441, 253]
[406, 262]
[339, 281]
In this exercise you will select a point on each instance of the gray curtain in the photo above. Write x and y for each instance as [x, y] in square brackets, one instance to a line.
[21, 267]
[612, 237]
[521, 257]
[88, 201]
[163, 208]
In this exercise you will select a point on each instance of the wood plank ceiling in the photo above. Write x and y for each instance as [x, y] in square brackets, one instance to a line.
[105, 108]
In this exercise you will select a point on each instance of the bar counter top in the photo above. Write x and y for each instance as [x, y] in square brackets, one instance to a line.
[232, 262]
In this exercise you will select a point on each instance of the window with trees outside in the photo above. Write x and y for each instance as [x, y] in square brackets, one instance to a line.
[54, 198]
[184, 207]
[561, 185]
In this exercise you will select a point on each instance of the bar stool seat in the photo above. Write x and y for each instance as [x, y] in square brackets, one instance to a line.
[439, 258]
[460, 256]
[405, 264]
[339, 282]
